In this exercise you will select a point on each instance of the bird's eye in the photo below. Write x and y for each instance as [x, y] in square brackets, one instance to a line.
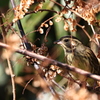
[66, 40]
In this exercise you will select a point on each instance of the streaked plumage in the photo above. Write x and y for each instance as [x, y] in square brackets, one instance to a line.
[78, 55]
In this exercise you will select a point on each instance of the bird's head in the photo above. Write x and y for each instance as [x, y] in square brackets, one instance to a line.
[69, 43]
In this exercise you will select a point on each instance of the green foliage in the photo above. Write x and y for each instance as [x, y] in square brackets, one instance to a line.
[4, 3]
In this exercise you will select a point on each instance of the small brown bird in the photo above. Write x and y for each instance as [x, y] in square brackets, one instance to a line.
[78, 55]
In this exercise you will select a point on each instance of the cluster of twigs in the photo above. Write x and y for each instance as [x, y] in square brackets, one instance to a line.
[48, 68]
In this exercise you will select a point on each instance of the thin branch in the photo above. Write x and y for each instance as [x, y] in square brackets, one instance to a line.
[27, 85]
[8, 61]
[12, 79]
[94, 34]
[62, 65]
[21, 82]
[27, 45]
[2, 28]
[41, 10]
[58, 85]
[54, 93]
[51, 61]
[57, 3]
[82, 27]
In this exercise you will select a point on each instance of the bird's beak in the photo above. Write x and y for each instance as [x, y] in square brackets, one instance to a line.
[58, 42]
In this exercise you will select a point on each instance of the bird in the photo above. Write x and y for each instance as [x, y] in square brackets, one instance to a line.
[80, 56]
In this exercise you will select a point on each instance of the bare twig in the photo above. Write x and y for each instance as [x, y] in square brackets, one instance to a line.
[41, 10]
[82, 27]
[38, 68]
[8, 61]
[94, 34]
[58, 85]
[2, 27]
[26, 44]
[12, 79]
[21, 82]
[27, 85]
[51, 61]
